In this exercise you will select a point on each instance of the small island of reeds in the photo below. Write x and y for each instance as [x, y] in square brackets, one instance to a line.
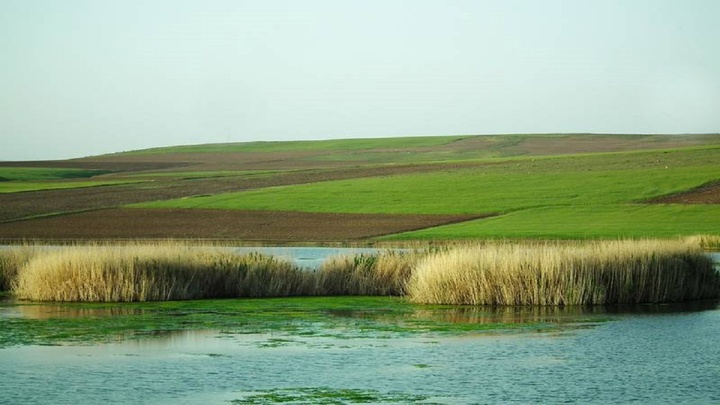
[484, 273]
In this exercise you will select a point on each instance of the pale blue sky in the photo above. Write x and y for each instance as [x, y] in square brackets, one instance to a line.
[79, 78]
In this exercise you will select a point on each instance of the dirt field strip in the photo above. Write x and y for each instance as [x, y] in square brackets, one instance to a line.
[265, 226]
[707, 194]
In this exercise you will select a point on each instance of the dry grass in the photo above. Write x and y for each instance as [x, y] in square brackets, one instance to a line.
[490, 273]
[164, 271]
[383, 274]
[11, 260]
[590, 273]
[706, 242]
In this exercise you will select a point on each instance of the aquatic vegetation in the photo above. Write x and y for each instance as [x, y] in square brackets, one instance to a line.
[591, 273]
[326, 395]
[270, 322]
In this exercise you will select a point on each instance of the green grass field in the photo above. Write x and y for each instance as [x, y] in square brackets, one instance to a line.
[18, 187]
[532, 185]
[295, 146]
[580, 222]
[577, 196]
[42, 173]
[20, 179]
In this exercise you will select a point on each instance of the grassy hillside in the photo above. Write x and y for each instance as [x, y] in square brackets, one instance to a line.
[574, 196]
[540, 186]
[45, 173]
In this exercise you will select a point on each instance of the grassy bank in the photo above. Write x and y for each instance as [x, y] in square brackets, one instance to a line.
[570, 273]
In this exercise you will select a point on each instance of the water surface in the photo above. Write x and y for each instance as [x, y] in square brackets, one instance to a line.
[648, 354]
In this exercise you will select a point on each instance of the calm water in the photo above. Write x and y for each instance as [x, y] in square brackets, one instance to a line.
[309, 257]
[666, 355]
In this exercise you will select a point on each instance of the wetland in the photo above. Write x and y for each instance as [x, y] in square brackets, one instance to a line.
[335, 350]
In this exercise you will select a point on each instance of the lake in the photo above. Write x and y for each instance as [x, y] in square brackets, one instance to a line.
[654, 354]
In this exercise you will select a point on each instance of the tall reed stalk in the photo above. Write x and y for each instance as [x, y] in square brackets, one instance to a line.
[590, 273]
[569, 273]
[707, 242]
[383, 274]
[153, 272]
[11, 260]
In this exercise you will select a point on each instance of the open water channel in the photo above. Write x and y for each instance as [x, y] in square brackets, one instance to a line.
[666, 354]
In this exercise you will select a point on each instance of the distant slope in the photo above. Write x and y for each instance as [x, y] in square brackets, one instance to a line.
[543, 185]
[408, 150]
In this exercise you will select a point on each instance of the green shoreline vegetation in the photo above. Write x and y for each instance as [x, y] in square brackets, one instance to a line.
[492, 273]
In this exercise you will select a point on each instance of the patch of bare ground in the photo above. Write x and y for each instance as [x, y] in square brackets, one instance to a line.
[119, 166]
[291, 160]
[265, 226]
[569, 144]
[706, 194]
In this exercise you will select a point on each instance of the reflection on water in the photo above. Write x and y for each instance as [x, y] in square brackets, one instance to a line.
[51, 311]
[535, 314]
[657, 354]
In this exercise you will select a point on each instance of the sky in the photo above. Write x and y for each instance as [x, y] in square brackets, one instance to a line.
[80, 78]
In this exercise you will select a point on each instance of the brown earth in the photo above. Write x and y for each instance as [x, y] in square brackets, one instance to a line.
[588, 143]
[707, 194]
[258, 226]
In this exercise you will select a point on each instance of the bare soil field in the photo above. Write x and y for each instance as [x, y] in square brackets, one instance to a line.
[260, 226]
[604, 143]
[707, 194]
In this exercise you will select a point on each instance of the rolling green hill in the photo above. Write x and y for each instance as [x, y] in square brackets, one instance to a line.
[536, 186]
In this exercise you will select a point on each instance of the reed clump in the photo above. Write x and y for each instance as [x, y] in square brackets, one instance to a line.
[152, 273]
[491, 273]
[590, 273]
[706, 242]
[383, 274]
[11, 260]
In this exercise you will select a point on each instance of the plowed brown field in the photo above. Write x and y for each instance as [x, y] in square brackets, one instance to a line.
[262, 226]
[707, 194]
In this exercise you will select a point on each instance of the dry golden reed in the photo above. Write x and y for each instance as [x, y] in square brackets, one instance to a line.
[365, 274]
[11, 260]
[489, 273]
[706, 242]
[154, 272]
[589, 273]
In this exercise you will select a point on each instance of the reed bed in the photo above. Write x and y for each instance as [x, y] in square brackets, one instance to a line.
[707, 242]
[489, 273]
[383, 274]
[152, 273]
[589, 273]
[11, 260]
